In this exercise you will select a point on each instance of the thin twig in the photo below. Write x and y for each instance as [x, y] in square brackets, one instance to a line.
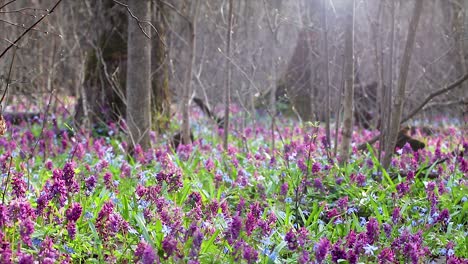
[139, 22]
[7, 3]
[7, 180]
[30, 28]
[8, 80]
[453, 85]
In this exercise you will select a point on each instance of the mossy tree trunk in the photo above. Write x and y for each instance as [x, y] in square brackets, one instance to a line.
[160, 96]
[105, 70]
[106, 64]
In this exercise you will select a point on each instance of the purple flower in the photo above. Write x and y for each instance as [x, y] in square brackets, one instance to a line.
[316, 167]
[351, 257]
[407, 148]
[73, 213]
[322, 249]
[108, 180]
[47, 251]
[301, 164]
[69, 177]
[4, 218]
[108, 222]
[337, 252]
[169, 245]
[5, 253]
[25, 258]
[58, 189]
[250, 223]
[196, 243]
[49, 165]
[444, 216]
[291, 239]
[139, 250]
[284, 189]
[372, 230]
[250, 254]
[26, 230]
[396, 215]
[410, 176]
[402, 188]
[304, 258]
[386, 256]
[18, 185]
[234, 229]
[90, 183]
[148, 256]
[343, 202]
[71, 229]
[125, 170]
[387, 230]
[359, 179]
[209, 165]
[318, 184]
[303, 236]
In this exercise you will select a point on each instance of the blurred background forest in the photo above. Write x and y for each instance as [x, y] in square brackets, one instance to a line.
[284, 55]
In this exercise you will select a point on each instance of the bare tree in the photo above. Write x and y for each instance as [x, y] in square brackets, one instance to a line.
[347, 130]
[160, 97]
[327, 71]
[139, 74]
[397, 108]
[228, 78]
[186, 138]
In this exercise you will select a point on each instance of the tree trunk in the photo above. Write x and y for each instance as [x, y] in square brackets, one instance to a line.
[160, 97]
[388, 91]
[139, 74]
[327, 72]
[400, 96]
[348, 103]
[188, 78]
[105, 67]
[227, 97]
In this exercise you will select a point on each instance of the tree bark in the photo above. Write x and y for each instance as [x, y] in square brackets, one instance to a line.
[227, 97]
[105, 68]
[400, 96]
[160, 97]
[188, 78]
[349, 85]
[139, 74]
[327, 72]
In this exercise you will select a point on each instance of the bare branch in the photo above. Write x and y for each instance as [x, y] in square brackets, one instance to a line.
[139, 21]
[7, 3]
[451, 86]
[30, 28]
[434, 94]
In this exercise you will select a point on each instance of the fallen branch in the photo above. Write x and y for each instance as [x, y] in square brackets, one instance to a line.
[434, 94]
[419, 107]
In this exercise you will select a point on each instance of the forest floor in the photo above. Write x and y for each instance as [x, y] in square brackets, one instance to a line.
[80, 198]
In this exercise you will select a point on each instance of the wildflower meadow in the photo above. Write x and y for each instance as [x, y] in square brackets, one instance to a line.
[71, 196]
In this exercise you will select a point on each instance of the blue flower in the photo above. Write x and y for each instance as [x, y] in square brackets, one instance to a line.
[68, 249]
[369, 249]
[88, 215]
[37, 242]
[273, 255]
[443, 251]
[351, 210]
[363, 221]
[288, 200]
